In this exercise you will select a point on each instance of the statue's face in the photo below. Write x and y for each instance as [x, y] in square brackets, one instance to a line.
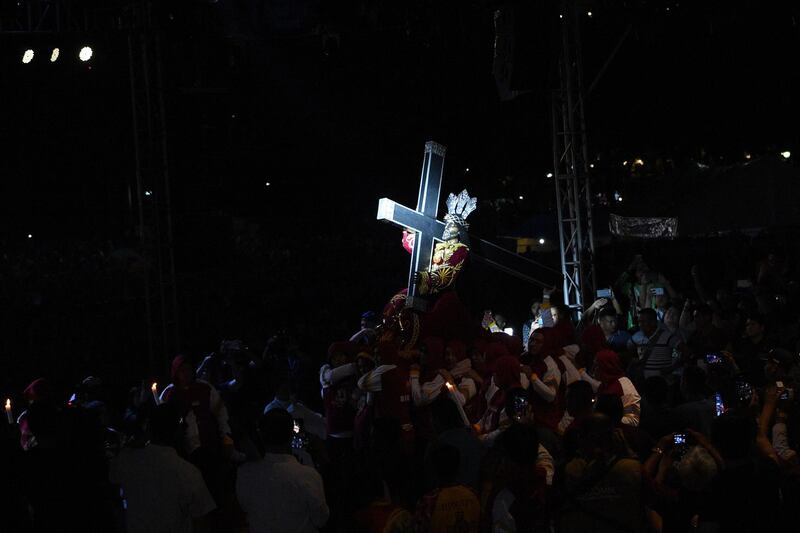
[450, 231]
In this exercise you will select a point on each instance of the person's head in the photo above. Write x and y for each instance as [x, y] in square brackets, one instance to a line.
[164, 425]
[520, 443]
[451, 231]
[369, 320]
[506, 372]
[446, 460]
[693, 383]
[703, 314]
[642, 272]
[597, 432]
[276, 428]
[543, 342]
[536, 308]
[340, 353]
[697, 469]
[364, 362]
[453, 353]
[608, 321]
[560, 313]
[611, 406]
[779, 364]
[182, 371]
[672, 317]
[519, 408]
[580, 397]
[648, 321]
[607, 366]
[754, 327]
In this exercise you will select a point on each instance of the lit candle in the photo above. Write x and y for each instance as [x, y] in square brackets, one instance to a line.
[9, 414]
[452, 390]
[154, 388]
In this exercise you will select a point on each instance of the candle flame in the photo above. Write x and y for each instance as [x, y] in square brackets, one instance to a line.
[8, 404]
[449, 385]
[154, 387]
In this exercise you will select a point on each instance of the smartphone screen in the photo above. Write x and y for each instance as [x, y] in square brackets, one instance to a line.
[713, 358]
[679, 439]
[604, 293]
[718, 405]
[657, 291]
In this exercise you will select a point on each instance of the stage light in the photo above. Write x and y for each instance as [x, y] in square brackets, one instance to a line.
[561, 16]
[85, 54]
[521, 197]
[541, 241]
[786, 154]
[27, 57]
[54, 55]
[591, 165]
[589, 14]
[267, 184]
[549, 174]
[466, 169]
[148, 193]
[30, 236]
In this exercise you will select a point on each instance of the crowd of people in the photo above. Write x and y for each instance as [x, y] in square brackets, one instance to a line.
[662, 408]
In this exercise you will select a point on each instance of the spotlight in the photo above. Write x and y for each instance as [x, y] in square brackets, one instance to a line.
[786, 154]
[85, 54]
[54, 55]
[27, 57]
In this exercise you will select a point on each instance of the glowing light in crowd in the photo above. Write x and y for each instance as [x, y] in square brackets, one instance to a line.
[154, 390]
[54, 55]
[30, 235]
[27, 57]
[786, 154]
[521, 197]
[541, 240]
[148, 193]
[625, 163]
[747, 156]
[589, 13]
[267, 184]
[466, 169]
[591, 165]
[509, 331]
[549, 174]
[9, 414]
[86, 53]
[638, 162]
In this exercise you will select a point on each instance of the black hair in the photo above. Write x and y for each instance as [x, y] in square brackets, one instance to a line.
[650, 313]
[520, 443]
[607, 311]
[579, 396]
[446, 461]
[276, 427]
[163, 424]
[610, 405]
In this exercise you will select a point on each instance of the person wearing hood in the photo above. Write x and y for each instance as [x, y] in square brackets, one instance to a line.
[199, 404]
[609, 378]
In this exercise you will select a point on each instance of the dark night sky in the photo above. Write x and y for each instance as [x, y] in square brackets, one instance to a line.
[334, 131]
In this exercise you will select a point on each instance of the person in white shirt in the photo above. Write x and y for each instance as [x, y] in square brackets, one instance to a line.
[162, 492]
[278, 494]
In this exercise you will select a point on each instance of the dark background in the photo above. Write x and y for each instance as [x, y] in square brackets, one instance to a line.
[331, 103]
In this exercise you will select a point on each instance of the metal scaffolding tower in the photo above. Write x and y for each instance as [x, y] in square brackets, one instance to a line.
[570, 167]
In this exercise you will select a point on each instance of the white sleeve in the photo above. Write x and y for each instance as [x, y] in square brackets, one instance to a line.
[219, 410]
[502, 520]
[371, 381]
[427, 392]
[545, 460]
[571, 374]
[546, 391]
[780, 442]
[630, 403]
[331, 376]
[468, 388]
[318, 511]
[200, 501]
[590, 380]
